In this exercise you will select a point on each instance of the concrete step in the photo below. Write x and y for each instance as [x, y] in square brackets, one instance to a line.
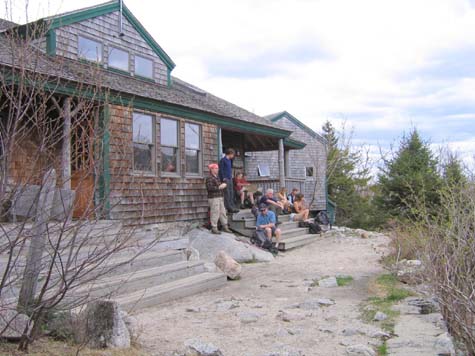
[297, 241]
[242, 215]
[171, 291]
[143, 279]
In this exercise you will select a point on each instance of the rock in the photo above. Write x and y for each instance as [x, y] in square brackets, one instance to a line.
[328, 282]
[288, 317]
[248, 317]
[379, 334]
[225, 305]
[258, 306]
[193, 310]
[364, 235]
[132, 326]
[104, 326]
[311, 304]
[349, 332]
[380, 316]
[192, 254]
[209, 245]
[325, 301]
[426, 306]
[444, 345]
[409, 271]
[196, 347]
[228, 265]
[327, 330]
[12, 324]
[210, 267]
[360, 349]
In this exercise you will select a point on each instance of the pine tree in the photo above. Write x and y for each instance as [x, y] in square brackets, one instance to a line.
[409, 183]
[453, 173]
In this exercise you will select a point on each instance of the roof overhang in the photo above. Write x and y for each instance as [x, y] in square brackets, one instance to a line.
[297, 122]
[54, 22]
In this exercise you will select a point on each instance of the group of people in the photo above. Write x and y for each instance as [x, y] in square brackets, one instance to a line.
[222, 189]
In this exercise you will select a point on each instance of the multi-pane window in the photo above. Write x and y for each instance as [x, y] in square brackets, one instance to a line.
[89, 49]
[192, 148]
[119, 59]
[169, 145]
[143, 67]
[143, 137]
[309, 171]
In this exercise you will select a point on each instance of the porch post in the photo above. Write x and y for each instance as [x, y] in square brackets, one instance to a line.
[66, 146]
[287, 163]
[220, 143]
[281, 163]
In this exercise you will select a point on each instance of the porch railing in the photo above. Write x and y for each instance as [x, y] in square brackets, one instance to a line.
[271, 183]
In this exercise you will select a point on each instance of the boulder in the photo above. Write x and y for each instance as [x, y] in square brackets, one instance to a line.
[248, 317]
[380, 316]
[328, 282]
[409, 271]
[209, 245]
[132, 326]
[196, 347]
[12, 324]
[104, 326]
[360, 350]
[228, 265]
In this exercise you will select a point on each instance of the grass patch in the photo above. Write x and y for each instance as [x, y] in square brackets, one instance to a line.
[382, 350]
[388, 292]
[344, 280]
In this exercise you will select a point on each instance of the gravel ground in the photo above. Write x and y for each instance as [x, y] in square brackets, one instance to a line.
[258, 315]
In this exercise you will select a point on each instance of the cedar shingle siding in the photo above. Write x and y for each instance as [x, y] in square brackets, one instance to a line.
[140, 198]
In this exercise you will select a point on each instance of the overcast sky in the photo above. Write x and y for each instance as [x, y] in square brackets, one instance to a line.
[383, 66]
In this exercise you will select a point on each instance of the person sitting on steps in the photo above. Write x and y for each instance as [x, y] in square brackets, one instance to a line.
[272, 203]
[240, 184]
[216, 201]
[266, 221]
[282, 196]
[292, 195]
[301, 210]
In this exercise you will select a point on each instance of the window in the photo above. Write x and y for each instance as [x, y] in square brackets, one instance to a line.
[193, 146]
[143, 137]
[119, 59]
[169, 145]
[309, 171]
[263, 170]
[143, 67]
[89, 49]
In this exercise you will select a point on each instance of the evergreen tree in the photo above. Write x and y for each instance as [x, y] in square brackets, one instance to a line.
[452, 172]
[409, 182]
[346, 179]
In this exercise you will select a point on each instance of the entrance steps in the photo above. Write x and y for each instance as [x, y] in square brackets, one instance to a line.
[293, 236]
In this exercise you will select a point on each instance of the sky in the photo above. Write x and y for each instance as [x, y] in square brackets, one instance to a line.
[381, 67]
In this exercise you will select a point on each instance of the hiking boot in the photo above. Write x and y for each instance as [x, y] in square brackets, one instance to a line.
[215, 231]
[227, 229]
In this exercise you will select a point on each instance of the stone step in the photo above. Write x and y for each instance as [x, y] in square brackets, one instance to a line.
[143, 279]
[286, 234]
[171, 291]
[242, 215]
[297, 241]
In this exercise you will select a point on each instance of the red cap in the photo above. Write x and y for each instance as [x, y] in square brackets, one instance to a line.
[212, 165]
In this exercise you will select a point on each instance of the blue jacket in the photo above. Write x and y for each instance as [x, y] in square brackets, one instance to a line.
[225, 168]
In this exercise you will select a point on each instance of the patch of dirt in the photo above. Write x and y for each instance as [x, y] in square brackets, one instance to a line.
[247, 316]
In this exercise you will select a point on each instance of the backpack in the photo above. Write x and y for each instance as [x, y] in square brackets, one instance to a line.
[322, 218]
[260, 239]
[314, 228]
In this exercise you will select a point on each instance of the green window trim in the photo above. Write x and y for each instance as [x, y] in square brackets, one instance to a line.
[51, 43]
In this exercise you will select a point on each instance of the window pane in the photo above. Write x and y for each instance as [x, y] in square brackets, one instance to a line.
[309, 172]
[142, 128]
[192, 136]
[143, 67]
[142, 157]
[263, 170]
[119, 59]
[169, 132]
[169, 159]
[89, 49]
[192, 161]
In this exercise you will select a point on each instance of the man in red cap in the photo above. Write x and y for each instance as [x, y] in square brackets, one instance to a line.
[216, 200]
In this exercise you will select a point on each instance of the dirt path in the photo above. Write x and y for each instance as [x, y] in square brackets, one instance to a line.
[245, 317]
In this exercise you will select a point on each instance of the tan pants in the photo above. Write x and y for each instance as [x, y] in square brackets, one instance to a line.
[217, 212]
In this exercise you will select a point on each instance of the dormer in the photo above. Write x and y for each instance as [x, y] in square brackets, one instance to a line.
[110, 35]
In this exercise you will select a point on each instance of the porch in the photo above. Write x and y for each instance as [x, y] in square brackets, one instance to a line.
[245, 142]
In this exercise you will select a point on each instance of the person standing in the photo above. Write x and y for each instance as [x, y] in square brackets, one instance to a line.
[226, 176]
[216, 201]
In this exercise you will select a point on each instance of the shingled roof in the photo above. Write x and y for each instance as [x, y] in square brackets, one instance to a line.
[179, 93]
[5, 24]
[274, 118]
